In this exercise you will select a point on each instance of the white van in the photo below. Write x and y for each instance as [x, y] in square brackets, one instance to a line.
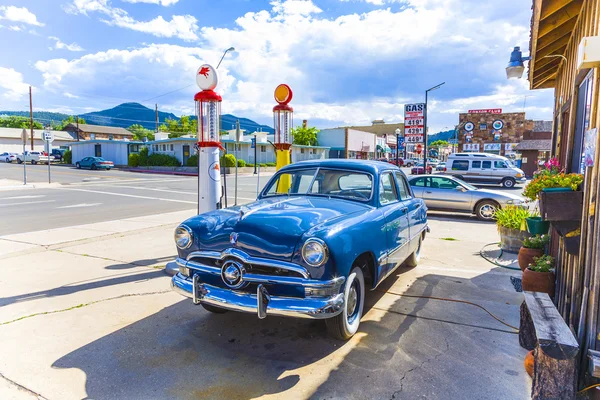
[484, 168]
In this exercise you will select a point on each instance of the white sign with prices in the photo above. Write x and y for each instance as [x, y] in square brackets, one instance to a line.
[48, 136]
[414, 122]
[491, 147]
[471, 147]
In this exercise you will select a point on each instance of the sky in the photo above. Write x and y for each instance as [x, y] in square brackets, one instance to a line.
[348, 62]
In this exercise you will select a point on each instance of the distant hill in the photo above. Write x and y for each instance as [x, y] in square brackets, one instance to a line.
[445, 135]
[126, 114]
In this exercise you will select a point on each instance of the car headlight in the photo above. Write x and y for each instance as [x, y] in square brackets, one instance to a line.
[314, 252]
[183, 237]
[519, 175]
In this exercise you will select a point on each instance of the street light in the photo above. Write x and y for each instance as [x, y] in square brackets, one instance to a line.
[397, 145]
[515, 66]
[425, 125]
[223, 56]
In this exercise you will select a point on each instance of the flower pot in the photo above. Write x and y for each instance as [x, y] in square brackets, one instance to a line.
[538, 281]
[526, 256]
[511, 240]
[529, 361]
[537, 226]
[572, 244]
[564, 227]
[561, 205]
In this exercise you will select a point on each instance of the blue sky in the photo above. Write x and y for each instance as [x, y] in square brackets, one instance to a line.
[347, 61]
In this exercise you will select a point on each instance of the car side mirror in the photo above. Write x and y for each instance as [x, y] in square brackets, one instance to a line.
[461, 189]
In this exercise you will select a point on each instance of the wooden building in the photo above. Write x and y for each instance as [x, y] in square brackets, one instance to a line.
[97, 132]
[558, 29]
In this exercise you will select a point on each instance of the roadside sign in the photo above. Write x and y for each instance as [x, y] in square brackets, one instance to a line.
[453, 141]
[419, 149]
[24, 136]
[253, 143]
[48, 136]
[414, 122]
[401, 139]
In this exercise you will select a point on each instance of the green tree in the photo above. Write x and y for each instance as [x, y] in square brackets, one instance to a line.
[139, 132]
[438, 144]
[71, 120]
[305, 136]
[180, 127]
[19, 122]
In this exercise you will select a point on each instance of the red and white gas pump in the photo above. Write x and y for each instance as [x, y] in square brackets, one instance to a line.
[208, 112]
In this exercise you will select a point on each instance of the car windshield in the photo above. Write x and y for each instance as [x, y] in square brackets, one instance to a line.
[465, 184]
[352, 185]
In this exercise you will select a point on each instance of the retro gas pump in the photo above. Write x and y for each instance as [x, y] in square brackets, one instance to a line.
[283, 119]
[208, 112]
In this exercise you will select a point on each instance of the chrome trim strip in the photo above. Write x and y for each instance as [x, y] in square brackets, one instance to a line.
[315, 308]
[268, 279]
[241, 255]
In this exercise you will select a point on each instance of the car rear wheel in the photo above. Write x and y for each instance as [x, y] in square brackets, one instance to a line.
[19, 161]
[413, 260]
[213, 309]
[8, 160]
[486, 210]
[344, 325]
[508, 183]
[94, 166]
[77, 165]
[33, 162]
[108, 169]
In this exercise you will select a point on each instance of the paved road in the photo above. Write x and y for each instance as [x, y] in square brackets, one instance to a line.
[94, 196]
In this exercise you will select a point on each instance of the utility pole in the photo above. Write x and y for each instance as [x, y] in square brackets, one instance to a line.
[425, 126]
[77, 121]
[30, 120]
[156, 108]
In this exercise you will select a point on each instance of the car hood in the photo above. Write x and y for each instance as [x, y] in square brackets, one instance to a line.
[498, 195]
[269, 227]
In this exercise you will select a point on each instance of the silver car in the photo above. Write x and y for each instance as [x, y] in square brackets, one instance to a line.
[446, 193]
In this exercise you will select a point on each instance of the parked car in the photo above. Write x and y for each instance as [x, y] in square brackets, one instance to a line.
[398, 163]
[58, 154]
[34, 157]
[412, 161]
[95, 163]
[8, 157]
[441, 167]
[419, 169]
[447, 193]
[484, 168]
[433, 162]
[319, 236]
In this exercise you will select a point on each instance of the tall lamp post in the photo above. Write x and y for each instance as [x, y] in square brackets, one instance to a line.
[397, 146]
[223, 56]
[425, 126]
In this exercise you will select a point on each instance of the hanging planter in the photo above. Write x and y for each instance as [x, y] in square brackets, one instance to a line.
[537, 226]
[572, 241]
[563, 205]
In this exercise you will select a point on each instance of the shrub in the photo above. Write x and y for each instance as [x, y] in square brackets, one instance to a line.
[262, 165]
[67, 157]
[536, 242]
[241, 163]
[144, 156]
[270, 164]
[250, 165]
[228, 160]
[543, 263]
[133, 160]
[512, 217]
[192, 161]
[162, 160]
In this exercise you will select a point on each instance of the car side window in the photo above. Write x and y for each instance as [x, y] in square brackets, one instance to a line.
[443, 183]
[486, 165]
[500, 164]
[460, 165]
[419, 182]
[476, 164]
[403, 189]
[387, 189]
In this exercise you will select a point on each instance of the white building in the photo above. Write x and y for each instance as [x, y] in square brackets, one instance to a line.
[116, 151]
[11, 140]
[348, 143]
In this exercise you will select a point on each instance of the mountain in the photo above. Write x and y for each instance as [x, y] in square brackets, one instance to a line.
[445, 135]
[126, 114]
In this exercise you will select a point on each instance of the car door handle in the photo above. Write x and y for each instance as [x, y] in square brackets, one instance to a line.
[428, 192]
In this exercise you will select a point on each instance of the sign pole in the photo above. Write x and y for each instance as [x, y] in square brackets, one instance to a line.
[425, 135]
[24, 159]
[237, 141]
[48, 152]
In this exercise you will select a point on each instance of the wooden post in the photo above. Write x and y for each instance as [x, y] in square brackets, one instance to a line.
[553, 379]
[527, 338]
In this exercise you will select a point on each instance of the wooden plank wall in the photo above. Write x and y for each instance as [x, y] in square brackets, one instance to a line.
[577, 294]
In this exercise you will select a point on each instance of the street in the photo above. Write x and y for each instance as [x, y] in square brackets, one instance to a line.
[83, 196]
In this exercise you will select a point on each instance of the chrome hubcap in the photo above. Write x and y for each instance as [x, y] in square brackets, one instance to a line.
[352, 301]
[488, 211]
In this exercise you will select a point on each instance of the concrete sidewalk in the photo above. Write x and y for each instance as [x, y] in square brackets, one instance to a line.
[11, 184]
[86, 311]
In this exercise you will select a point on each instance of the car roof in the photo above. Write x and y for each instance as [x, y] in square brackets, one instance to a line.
[371, 166]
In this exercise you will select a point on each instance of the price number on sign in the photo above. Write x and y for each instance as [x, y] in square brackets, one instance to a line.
[414, 131]
[415, 122]
[414, 139]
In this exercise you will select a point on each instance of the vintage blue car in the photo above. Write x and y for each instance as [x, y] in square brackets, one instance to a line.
[320, 233]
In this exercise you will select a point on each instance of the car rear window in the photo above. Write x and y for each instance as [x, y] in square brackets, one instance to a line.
[460, 165]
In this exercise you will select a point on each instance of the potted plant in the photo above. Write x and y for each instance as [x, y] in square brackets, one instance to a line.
[536, 225]
[539, 276]
[572, 241]
[557, 192]
[511, 227]
[532, 247]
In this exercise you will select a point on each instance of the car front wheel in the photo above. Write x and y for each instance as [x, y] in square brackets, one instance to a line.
[33, 162]
[486, 210]
[94, 166]
[508, 183]
[77, 165]
[344, 325]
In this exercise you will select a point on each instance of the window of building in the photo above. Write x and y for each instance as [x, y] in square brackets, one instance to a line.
[98, 150]
[460, 165]
[263, 149]
[483, 127]
[171, 147]
[301, 151]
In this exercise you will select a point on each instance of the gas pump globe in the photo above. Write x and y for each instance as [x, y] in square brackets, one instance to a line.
[208, 112]
[283, 119]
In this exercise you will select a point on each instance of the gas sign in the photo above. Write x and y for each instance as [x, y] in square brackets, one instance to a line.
[414, 122]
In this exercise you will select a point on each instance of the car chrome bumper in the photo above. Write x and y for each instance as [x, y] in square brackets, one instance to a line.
[260, 303]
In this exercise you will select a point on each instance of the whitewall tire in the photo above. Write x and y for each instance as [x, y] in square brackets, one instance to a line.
[345, 325]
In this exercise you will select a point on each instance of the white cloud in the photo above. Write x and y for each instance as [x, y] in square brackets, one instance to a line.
[15, 28]
[12, 85]
[70, 96]
[180, 26]
[165, 3]
[19, 14]
[59, 45]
